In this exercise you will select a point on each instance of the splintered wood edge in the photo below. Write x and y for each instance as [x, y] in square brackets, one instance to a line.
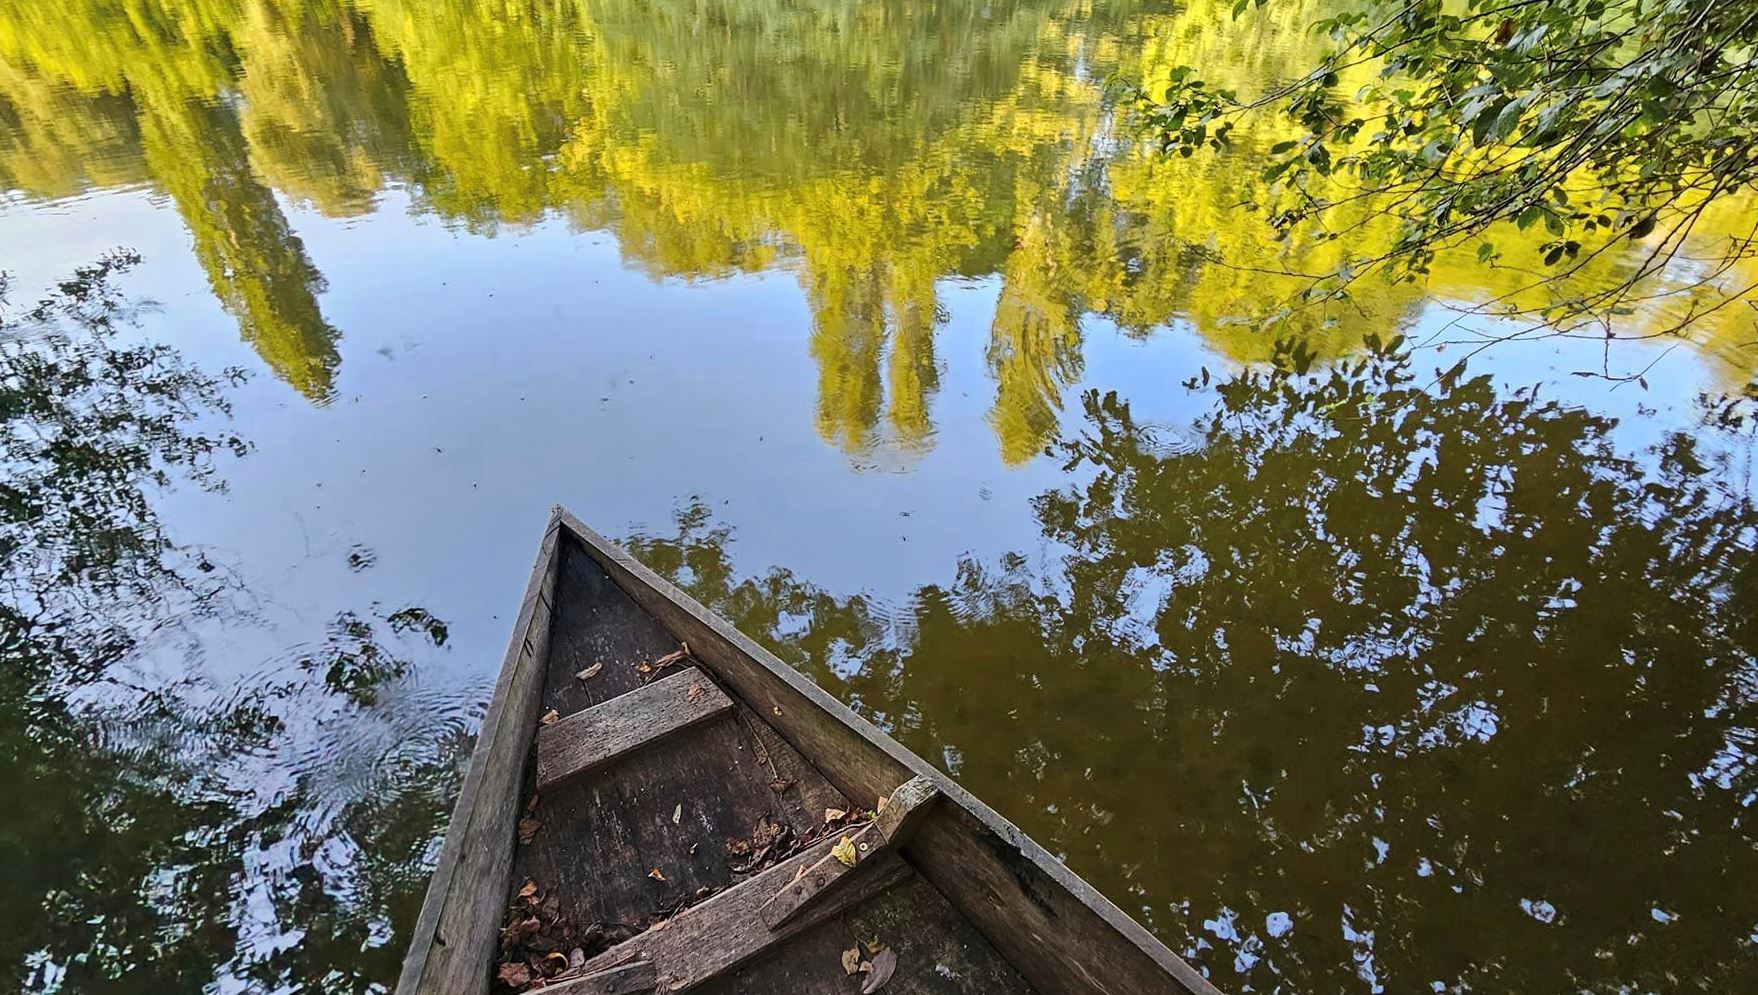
[631, 721]
[905, 808]
[723, 933]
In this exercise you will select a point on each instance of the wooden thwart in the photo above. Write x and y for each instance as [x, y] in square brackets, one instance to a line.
[819, 883]
[598, 735]
[710, 939]
[961, 896]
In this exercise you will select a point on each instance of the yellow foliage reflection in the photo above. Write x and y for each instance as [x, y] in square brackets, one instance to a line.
[875, 147]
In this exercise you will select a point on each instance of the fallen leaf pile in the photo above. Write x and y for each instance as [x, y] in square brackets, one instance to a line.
[537, 947]
[771, 842]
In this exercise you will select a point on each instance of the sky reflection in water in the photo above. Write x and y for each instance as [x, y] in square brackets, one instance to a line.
[1363, 680]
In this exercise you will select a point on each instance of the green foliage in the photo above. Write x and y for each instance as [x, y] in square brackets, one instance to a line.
[1361, 643]
[135, 841]
[1597, 122]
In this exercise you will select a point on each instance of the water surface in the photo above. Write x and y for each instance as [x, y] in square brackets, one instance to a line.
[1341, 667]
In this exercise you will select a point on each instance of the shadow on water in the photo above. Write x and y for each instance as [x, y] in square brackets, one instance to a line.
[163, 835]
[1391, 679]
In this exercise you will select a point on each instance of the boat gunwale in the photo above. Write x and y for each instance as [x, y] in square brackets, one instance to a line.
[414, 976]
[634, 578]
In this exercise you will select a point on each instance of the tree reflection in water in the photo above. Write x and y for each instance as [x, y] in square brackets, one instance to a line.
[139, 853]
[1478, 685]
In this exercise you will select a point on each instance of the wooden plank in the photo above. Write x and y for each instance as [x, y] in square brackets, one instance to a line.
[844, 746]
[455, 935]
[717, 936]
[629, 979]
[1045, 925]
[1019, 879]
[937, 952]
[905, 809]
[817, 883]
[598, 630]
[899, 817]
[674, 809]
[643, 717]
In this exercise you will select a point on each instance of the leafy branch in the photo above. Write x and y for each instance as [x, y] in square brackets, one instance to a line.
[1612, 126]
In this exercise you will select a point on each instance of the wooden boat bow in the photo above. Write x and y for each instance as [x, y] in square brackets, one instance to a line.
[646, 769]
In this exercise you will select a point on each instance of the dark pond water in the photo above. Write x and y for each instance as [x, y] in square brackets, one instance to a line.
[1344, 670]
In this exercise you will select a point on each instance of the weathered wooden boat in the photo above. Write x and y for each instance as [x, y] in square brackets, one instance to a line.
[657, 804]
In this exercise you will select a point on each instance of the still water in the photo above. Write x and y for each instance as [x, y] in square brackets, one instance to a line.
[1348, 670]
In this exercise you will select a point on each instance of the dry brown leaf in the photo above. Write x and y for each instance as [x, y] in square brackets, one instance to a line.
[656, 875]
[590, 672]
[833, 814]
[514, 975]
[677, 814]
[881, 806]
[880, 971]
[845, 851]
[528, 827]
[556, 955]
[776, 709]
[661, 924]
[643, 668]
[550, 717]
[694, 692]
[528, 889]
[851, 960]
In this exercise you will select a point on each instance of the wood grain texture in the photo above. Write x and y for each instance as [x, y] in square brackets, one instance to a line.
[455, 935]
[629, 979]
[818, 882]
[1004, 883]
[898, 819]
[905, 809]
[712, 938]
[938, 952]
[671, 809]
[1048, 929]
[844, 745]
[640, 719]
